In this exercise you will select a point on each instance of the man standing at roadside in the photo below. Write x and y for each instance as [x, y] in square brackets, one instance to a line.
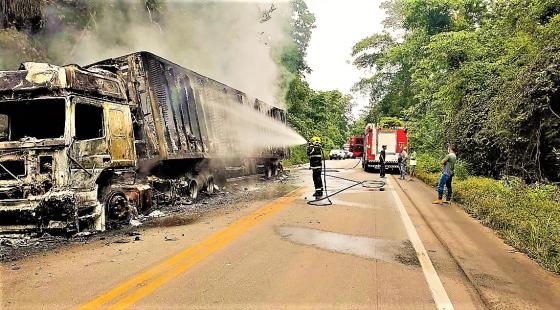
[412, 162]
[403, 156]
[382, 161]
[448, 163]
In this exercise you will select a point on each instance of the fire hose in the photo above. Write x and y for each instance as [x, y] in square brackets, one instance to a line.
[369, 184]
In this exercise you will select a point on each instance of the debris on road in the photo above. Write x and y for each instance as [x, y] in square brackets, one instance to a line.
[183, 212]
[156, 214]
[135, 223]
[171, 238]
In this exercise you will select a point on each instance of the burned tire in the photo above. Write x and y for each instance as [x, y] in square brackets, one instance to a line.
[274, 170]
[193, 189]
[268, 173]
[117, 210]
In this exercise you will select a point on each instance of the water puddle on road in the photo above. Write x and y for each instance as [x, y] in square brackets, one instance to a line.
[346, 203]
[392, 251]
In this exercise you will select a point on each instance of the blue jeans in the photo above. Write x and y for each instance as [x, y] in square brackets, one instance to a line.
[402, 168]
[445, 181]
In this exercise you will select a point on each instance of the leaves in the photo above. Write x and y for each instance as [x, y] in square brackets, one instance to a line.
[482, 75]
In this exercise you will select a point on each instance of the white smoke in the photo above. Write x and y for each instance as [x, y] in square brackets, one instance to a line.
[226, 41]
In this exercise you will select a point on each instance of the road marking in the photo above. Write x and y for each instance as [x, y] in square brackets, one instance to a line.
[145, 283]
[434, 283]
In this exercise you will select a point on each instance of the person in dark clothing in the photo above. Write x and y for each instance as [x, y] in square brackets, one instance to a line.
[382, 161]
[315, 154]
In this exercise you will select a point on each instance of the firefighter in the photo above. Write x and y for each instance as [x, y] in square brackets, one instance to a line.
[382, 161]
[315, 154]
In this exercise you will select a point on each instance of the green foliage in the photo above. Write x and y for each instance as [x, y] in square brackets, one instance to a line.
[390, 122]
[525, 216]
[358, 127]
[303, 22]
[325, 113]
[22, 14]
[311, 113]
[14, 45]
[483, 75]
[298, 155]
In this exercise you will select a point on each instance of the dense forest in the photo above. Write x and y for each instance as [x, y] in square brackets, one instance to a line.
[312, 113]
[482, 75]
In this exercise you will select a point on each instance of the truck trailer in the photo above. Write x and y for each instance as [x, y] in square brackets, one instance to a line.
[395, 138]
[82, 148]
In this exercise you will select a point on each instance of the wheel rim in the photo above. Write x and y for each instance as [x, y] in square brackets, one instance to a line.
[117, 207]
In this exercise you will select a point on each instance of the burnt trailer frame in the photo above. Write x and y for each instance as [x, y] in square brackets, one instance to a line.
[152, 129]
[182, 115]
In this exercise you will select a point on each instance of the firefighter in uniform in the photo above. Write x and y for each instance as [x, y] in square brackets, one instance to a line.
[315, 154]
[382, 157]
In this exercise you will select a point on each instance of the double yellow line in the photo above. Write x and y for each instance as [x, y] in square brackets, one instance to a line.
[131, 291]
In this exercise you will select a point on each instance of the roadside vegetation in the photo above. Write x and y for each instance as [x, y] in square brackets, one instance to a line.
[526, 216]
[484, 76]
[311, 113]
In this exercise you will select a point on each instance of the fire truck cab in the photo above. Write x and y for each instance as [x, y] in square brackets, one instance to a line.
[356, 146]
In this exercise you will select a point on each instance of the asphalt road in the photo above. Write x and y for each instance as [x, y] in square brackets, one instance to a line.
[371, 249]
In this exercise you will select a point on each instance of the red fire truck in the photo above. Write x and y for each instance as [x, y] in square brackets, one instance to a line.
[395, 138]
[356, 144]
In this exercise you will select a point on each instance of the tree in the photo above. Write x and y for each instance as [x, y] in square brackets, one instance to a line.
[22, 14]
[482, 75]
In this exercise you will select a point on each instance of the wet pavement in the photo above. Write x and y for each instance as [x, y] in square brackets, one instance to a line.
[271, 250]
[391, 251]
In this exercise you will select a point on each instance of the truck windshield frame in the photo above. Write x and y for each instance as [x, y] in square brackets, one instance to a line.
[32, 119]
[89, 119]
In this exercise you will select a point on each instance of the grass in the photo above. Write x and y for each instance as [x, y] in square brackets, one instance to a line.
[526, 216]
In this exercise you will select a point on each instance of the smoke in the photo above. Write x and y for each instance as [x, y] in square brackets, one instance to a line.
[251, 131]
[227, 41]
[236, 43]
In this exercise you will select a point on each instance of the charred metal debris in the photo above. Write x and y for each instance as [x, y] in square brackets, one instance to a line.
[84, 148]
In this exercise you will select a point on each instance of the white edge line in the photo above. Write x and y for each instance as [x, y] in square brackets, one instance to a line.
[434, 283]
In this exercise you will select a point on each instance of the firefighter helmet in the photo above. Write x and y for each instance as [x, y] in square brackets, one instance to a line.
[316, 140]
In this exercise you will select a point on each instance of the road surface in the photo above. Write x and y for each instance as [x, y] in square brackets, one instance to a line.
[371, 249]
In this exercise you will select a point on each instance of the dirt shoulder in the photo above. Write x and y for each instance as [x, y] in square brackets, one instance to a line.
[504, 277]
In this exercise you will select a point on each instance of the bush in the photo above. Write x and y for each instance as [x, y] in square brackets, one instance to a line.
[525, 216]
[298, 155]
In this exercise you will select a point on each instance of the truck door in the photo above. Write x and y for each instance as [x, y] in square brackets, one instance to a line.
[121, 138]
[89, 149]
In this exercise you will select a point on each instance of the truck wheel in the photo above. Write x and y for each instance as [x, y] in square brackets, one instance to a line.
[274, 170]
[193, 189]
[269, 171]
[117, 209]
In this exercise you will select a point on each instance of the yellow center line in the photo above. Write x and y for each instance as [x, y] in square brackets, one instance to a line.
[183, 260]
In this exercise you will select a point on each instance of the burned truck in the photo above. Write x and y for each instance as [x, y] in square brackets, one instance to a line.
[84, 147]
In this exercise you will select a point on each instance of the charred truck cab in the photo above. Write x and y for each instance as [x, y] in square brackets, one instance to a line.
[61, 129]
[83, 148]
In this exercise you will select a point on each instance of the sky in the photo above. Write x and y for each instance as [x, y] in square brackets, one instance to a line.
[340, 25]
